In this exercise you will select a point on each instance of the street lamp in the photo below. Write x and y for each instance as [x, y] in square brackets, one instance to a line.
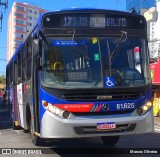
[1, 18]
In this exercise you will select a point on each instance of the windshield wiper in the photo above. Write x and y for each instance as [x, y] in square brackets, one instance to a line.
[122, 39]
[111, 55]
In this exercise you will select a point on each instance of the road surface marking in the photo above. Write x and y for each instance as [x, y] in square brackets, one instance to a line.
[157, 127]
[156, 130]
[157, 124]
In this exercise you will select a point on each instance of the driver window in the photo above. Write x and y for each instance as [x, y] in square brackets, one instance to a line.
[134, 58]
[54, 59]
[54, 64]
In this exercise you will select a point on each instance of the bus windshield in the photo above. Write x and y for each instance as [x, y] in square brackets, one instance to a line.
[83, 62]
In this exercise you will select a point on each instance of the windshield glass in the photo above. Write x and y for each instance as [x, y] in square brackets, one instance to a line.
[84, 62]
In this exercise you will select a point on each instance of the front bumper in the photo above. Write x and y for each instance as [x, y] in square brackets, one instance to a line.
[85, 126]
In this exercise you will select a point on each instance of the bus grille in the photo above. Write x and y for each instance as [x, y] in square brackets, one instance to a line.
[102, 113]
[101, 97]
[92, 129]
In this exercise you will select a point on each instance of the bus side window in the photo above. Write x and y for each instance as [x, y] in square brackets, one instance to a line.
[19, 69]
[24, 76]
[11, 75]
[23, 51]
[28, 68]
[19, 76]
[15, 72]
[28, 62]
[7, 78]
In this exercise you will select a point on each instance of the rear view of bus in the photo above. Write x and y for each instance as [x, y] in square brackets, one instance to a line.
[92, 76]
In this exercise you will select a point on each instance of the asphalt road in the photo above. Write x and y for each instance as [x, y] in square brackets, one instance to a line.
[21, 142]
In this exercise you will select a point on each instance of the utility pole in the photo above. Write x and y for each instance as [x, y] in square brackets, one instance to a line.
[1, 18]
[5, 4]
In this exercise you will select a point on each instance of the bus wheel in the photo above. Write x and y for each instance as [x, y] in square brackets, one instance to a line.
[110, 140]
[25, 131]
[36, 140]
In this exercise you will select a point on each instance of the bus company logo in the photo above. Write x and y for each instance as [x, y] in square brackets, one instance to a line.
[105, 107]
[103, 97]
[6, 151]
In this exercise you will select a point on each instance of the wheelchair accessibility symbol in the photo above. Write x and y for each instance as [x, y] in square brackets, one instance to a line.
[109, 82]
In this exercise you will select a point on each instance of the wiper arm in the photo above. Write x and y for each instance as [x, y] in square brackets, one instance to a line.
[111, 55]
[122, 39]
[83, 49]
[109, 60]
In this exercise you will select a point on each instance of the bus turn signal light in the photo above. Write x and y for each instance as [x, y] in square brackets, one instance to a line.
[45, 103]
[55, 110]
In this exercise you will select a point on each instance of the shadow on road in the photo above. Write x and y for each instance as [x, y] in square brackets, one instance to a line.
[81, 147]
[94, 146]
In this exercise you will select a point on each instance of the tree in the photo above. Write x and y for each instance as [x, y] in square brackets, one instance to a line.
[2, 79]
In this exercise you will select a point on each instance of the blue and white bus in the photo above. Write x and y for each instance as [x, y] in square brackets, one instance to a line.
[82, 73]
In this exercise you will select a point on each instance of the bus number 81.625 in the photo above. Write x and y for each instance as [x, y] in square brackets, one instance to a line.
[122, 106]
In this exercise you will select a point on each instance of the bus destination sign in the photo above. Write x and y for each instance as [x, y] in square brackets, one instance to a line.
[93, 21]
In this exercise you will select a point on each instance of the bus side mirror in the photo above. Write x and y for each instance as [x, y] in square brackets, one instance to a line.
[37, 46]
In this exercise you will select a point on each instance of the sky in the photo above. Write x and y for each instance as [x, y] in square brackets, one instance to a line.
[52, 5]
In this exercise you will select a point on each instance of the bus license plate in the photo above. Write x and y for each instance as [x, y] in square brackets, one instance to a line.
[106, 126]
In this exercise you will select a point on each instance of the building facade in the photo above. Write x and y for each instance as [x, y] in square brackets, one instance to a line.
[20, 20]
[154, 34]
[151, 11]
[137, 5]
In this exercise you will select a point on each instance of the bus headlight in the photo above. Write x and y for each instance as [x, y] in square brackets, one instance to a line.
[143, 109]
[55, 110]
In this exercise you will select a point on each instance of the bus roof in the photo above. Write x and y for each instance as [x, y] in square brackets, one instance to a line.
[69, 10]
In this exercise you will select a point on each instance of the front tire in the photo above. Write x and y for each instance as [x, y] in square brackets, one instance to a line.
[36, 140]
[110, 140]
